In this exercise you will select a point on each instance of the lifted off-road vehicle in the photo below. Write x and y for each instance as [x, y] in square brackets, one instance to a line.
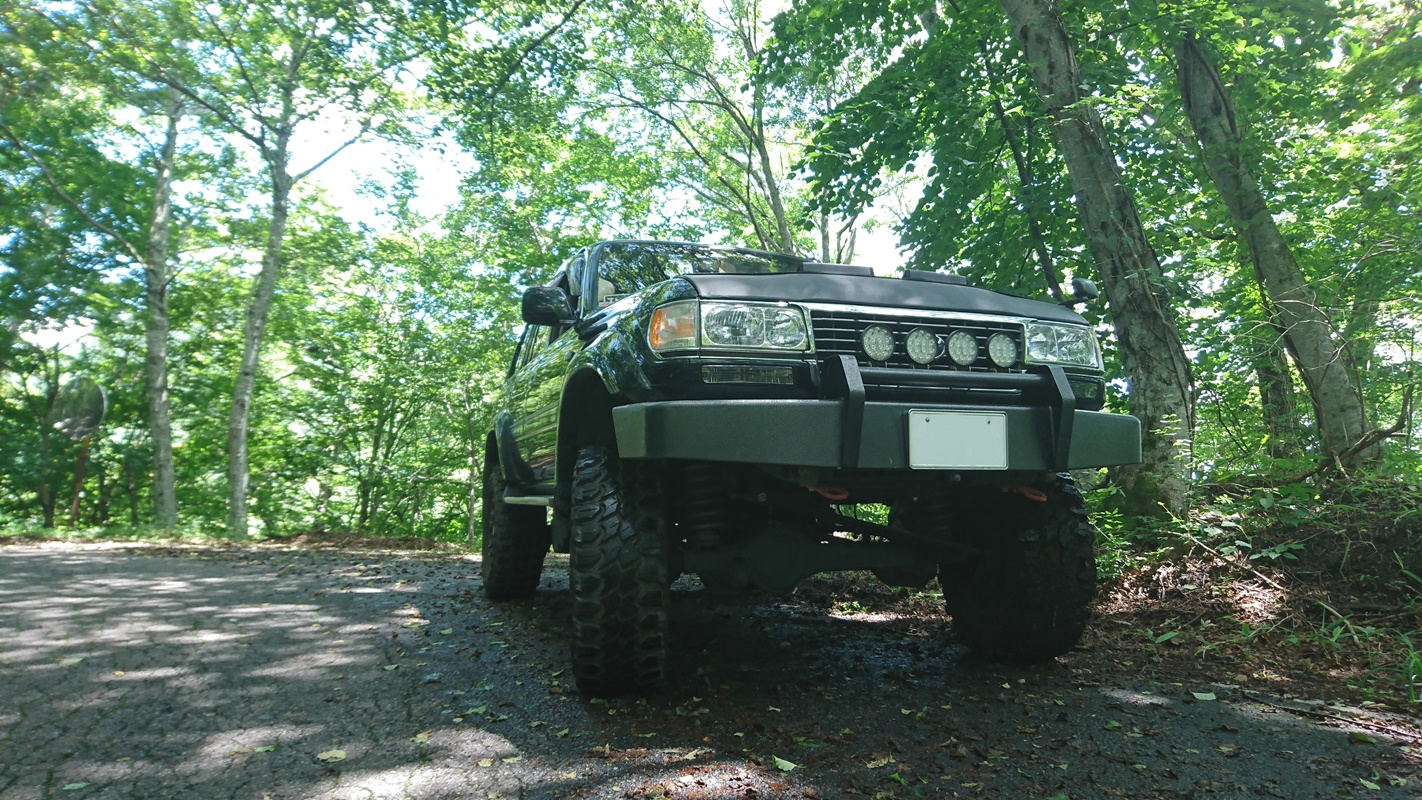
[682, 408]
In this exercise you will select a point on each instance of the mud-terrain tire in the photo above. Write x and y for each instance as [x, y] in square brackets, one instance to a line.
[1025, 595]
[617, 574]
[515, 539]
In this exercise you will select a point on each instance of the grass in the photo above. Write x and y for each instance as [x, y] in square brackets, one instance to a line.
[1289, 585]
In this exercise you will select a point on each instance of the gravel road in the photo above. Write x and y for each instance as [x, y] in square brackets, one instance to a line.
[145, 673]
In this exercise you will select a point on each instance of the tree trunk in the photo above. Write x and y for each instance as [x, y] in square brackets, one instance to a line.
[155, 271]
[44, 492]
[1161, 393]
[1279, 401]
[101, 506]
[786, 242]
[130, 489]
[825, 254]
[80, 466]
[1323, 359]
[256, 326]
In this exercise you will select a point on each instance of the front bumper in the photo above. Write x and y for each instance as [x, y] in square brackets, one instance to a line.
[845, 431]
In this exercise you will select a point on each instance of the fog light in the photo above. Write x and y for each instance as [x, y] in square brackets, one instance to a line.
[782, 376]
[963, 348]
[1002, 350]
[878, 343]
[923, 346]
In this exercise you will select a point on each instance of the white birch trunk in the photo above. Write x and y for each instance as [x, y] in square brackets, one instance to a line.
[155, 269]
[1161, 389]
[258, 305]
[1323, 358]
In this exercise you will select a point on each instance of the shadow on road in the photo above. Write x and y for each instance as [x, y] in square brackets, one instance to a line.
[211, 673]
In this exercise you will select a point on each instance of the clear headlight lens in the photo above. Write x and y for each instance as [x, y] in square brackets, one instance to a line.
[1072, 345]
[688, 324]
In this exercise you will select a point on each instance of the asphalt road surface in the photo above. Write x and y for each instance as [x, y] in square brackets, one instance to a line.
[199, 673]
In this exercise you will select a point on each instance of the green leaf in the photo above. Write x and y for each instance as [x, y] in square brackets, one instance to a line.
[783, 765]
[1204, 695]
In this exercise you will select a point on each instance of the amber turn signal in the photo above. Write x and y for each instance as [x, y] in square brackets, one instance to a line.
[673, 326]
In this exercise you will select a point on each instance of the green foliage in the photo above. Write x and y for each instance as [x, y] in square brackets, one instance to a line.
[590, 119]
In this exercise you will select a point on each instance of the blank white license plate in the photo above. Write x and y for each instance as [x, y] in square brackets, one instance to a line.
[957, 439]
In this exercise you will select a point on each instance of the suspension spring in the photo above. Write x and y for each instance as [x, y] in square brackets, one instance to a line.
[930, 513]
[704, 509]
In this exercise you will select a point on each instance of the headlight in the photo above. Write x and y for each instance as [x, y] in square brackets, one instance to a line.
[1073, 345]
[688, 324]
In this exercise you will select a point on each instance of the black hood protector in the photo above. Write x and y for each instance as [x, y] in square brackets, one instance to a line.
[864, 291]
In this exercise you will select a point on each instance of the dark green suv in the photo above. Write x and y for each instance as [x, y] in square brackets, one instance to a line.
[709, 410]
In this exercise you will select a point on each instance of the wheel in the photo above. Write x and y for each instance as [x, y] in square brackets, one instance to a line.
[514, 541]
[1025, 594]
[617, 572]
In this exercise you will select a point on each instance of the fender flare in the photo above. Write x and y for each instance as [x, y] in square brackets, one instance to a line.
[516, 470]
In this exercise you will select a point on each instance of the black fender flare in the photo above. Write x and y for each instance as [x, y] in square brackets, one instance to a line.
[516, 470]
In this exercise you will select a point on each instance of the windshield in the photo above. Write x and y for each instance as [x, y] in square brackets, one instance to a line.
[627, 267]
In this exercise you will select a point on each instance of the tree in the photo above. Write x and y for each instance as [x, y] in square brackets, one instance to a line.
[692, 74]
[49, 41]
[672, 85]
[1323, 359]
[996, 196]
[265, 69]
[1141, 307]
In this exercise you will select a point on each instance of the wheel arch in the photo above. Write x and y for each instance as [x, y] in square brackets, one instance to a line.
[584, 418]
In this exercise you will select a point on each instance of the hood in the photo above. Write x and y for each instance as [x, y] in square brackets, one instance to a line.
[866, 291]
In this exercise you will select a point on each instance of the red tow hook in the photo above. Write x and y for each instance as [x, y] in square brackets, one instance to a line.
[838, 493]
[1035, 495]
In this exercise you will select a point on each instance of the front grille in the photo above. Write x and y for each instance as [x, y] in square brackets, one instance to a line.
[837, 333]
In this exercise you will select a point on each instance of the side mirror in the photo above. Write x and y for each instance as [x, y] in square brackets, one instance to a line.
[1082, 291]
[547, 305]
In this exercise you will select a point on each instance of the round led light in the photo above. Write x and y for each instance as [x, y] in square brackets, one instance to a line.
[962, 348]
[922, 345]
[878, 343]
[1002, 350]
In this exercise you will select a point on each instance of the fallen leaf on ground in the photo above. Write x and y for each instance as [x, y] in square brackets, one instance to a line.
[1204, 695]
[330, 756]
[783, 765]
